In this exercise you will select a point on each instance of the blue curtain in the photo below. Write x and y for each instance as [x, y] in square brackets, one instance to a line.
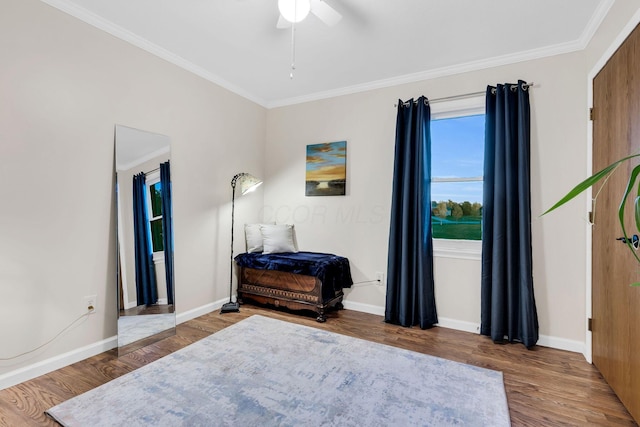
[410, 288]
[508, 308]
[167, 226]
[146, 288]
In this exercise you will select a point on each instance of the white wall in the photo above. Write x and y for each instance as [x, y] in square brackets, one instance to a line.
[357, 225]
[63, 87]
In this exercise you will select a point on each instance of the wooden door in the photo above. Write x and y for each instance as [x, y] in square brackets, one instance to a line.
[615, 304]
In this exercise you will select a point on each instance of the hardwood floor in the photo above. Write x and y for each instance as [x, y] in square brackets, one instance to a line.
[545, 387]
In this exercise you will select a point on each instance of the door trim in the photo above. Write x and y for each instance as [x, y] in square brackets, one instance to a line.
[617, 42]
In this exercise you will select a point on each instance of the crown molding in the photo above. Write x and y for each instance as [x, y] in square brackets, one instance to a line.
[595, 22]
[558, 49]
[123, 34]
[149, 156]
[435, 73]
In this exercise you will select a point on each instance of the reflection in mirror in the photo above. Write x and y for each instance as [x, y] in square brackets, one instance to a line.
[145, 239]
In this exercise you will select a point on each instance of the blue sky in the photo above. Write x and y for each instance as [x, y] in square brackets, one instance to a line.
[457, 150]
[326, 161]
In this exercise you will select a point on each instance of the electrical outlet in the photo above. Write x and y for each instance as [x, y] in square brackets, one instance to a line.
[90, 303]
[380, 278]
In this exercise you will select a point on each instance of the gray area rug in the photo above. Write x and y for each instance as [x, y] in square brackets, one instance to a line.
[266, 372]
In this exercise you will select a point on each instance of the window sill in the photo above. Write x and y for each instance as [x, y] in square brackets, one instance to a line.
[458, 249]
[158, 257]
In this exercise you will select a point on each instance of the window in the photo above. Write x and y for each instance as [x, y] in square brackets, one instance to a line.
[457, 153]
[154, 208]
[457, 167]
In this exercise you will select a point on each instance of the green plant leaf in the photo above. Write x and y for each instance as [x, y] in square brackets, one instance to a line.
[605, 173]
[584, 185]
[623, 203]
[637, 210]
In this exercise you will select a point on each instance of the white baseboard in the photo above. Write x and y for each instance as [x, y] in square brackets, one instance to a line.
[45, 366]
[199, 311]
[32, 371]
[561, 344]
[364, 308]
[459, 325]
[474, 328]
[444, 322]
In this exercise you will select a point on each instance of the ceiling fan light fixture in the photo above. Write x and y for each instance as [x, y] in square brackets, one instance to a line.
[294, 10]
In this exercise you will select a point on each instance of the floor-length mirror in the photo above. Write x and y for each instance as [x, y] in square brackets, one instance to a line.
[145, 238]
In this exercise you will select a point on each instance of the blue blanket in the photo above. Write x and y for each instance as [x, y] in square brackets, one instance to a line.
[332, 270]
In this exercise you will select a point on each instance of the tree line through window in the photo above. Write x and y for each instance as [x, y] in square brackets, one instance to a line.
[154, 211]
[457, 158]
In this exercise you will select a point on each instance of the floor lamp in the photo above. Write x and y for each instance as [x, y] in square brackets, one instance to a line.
[247, 183]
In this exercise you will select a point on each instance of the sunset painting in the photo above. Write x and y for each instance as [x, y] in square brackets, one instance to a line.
[326, 169]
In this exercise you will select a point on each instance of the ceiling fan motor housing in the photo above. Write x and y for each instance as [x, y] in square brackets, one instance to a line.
[294, 10]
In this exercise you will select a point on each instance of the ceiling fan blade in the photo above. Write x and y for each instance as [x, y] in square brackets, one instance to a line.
[325, 13]
[282, 23]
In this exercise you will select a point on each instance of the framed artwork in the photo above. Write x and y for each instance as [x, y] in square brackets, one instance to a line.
[326, 169]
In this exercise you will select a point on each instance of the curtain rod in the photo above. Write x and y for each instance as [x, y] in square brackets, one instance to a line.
[463, 96]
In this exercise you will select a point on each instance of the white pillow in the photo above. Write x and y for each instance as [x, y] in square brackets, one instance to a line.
[253, 237]
[277, 238]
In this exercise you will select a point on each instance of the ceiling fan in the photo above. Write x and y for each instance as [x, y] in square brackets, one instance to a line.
[292, 11]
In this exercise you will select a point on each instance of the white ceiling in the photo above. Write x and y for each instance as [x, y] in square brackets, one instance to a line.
[378, 43]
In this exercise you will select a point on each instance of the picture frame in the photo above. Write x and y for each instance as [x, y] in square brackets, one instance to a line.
[326, 171]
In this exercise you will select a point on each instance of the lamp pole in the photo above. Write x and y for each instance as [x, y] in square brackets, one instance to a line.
[232, 306]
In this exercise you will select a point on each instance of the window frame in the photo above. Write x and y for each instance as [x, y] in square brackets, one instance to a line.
[449, 109]
[151, 179]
